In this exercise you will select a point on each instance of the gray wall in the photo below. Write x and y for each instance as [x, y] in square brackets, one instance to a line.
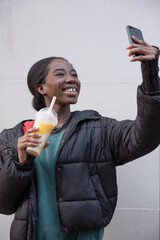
[92, 35]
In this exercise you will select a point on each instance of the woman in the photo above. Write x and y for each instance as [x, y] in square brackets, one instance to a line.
[70, 190]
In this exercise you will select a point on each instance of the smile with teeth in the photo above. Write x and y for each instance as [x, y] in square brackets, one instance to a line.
[70, 90]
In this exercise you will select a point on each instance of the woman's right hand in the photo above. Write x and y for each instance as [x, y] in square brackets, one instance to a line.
[29, 139]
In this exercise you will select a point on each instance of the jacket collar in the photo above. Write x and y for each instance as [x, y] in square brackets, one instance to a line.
[76, 118]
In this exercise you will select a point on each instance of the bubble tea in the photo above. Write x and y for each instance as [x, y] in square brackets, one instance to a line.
[45, 120]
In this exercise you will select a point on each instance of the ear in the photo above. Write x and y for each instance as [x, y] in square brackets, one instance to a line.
[41, 89]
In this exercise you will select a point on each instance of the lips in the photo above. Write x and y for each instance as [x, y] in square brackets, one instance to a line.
[71, 90]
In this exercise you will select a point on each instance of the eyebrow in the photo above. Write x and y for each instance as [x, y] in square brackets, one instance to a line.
[61, 69]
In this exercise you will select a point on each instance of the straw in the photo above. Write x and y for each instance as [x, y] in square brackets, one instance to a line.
[52, 103]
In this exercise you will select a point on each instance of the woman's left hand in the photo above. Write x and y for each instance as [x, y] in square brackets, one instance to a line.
[148, 52]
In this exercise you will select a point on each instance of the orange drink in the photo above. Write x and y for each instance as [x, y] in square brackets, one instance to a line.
[43, 127]
[45, 121]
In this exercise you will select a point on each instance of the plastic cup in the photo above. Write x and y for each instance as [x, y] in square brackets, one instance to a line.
[45, 120]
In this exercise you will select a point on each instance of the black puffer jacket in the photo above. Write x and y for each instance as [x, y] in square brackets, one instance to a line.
[86, 177]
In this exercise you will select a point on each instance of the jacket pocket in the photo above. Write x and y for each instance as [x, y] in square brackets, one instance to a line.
[104, 202]
[18, 230]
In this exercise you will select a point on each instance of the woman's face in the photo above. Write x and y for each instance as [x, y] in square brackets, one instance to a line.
[62, 81]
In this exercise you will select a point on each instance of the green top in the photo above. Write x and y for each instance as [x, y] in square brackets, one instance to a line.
[48, 216]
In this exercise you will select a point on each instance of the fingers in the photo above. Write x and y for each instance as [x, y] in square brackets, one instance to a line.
[29, 139]
[139, 58]
[138, 41]
[139, 49]
[34, 129]
[143, 49]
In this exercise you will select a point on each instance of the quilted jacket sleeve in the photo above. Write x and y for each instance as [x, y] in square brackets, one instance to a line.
[129, 140]
[14, 176]
[151, 81]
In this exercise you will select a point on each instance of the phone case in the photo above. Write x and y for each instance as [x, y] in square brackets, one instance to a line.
[132, 31]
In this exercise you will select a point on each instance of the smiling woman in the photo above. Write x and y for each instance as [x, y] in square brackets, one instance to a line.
[69, 192]
[56, 77]
[59, 82]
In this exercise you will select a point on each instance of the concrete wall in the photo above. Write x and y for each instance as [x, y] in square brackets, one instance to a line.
[92, 35]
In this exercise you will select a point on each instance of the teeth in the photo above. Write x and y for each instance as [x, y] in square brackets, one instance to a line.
[71, 90]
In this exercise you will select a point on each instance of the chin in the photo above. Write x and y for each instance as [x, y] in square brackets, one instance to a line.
[73, 102]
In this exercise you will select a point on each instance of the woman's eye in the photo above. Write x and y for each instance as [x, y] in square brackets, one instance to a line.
[75, 75]
[60, 74]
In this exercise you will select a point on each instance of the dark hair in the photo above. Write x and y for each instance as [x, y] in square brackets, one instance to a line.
[36, 75]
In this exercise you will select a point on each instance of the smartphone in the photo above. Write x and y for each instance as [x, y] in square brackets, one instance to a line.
[132, 31]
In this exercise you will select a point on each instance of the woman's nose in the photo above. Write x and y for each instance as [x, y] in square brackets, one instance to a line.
[70, 79]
